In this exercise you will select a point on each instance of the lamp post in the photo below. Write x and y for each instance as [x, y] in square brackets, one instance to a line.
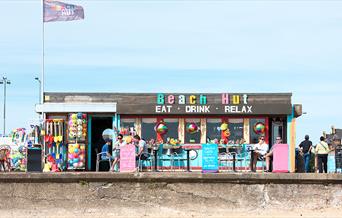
[5, 82]
[40, 89]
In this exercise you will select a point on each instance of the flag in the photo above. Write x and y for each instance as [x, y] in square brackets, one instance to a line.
[60, 11]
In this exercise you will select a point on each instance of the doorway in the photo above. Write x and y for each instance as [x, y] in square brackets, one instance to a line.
[278, 130]
[98, 125]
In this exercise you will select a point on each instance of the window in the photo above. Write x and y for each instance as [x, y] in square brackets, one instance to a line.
[127, 126]
[213, 129]
[254, 136]
[147, 128]
[172, 126]
[193, 137]
[235, 127]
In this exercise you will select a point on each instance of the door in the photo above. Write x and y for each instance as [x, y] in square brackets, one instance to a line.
[277, 130]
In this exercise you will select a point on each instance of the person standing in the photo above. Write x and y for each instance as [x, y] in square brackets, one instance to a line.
[322, 150]
[142, 147]
[305, 147]
[116, 150]
[106, 155]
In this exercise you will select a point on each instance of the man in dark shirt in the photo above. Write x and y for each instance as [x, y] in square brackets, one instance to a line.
[305, 147]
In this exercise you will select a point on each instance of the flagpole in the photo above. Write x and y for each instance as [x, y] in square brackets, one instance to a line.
[43, 79]
[43, 58]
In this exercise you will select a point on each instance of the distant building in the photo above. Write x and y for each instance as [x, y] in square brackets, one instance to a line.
[335, 135]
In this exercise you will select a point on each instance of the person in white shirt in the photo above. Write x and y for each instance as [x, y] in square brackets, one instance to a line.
[259, 152]
[116, 150]
[141, 146]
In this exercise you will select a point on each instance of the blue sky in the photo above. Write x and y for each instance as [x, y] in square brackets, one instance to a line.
[179, 46]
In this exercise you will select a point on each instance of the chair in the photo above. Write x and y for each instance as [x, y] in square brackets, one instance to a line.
[193, 155]
[99, 160]
[170, 156]
[244, 156]
[140, 161]
[177, 156]
[223, 157]
[263, 163]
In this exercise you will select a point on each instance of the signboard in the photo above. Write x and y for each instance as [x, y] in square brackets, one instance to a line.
[210, 158]
[207, 104]
[280, 158]
[185, 103]
[127, 158]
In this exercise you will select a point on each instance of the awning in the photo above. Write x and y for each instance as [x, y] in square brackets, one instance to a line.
[76, 107]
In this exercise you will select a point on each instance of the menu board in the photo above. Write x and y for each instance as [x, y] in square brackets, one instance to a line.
[127, 158]
[210, 158]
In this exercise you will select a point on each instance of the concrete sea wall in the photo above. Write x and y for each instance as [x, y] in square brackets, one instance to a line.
[170, 195]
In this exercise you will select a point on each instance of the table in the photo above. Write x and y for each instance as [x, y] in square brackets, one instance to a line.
[252, 159]
[188, 148]
[233, 150]
[155, 149]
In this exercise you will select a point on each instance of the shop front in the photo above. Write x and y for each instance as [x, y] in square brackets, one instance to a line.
[174, 122]
[73, 132]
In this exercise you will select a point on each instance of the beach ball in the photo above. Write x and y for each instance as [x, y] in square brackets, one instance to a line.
[224, 126]
[192, 128]
[82, 147]
[79, 115]
[75, 165]
[71, 150]
[80, 164]
[79, 122]
[81, 157]
[74, 116]
[76, 150]
[161, 128]
[259, 128]
[84, 116]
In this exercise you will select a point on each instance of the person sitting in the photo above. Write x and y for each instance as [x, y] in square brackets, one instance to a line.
[260, 149]
[269, 155]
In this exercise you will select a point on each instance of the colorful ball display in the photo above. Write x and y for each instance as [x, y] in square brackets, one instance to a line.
[192, 128]
[76, 156]
[161, 128]
[259, 128]
[77, 126]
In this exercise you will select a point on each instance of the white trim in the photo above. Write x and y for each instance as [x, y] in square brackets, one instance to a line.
[76, 107]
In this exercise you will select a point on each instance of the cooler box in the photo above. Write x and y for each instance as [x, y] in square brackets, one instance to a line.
[281, 158]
